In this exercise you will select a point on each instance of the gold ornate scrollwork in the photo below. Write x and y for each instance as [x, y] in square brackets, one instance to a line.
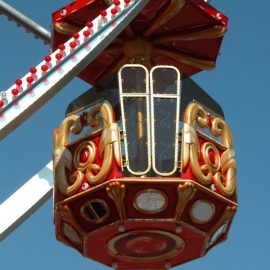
[67, 215]
[225, 181]
[225, 184]
[90, 149]
[109, 149]
[63, 157]
[185, 192]
[109, 146]
[116, 192]
[207, 147]
[226, 216]
[195, 114]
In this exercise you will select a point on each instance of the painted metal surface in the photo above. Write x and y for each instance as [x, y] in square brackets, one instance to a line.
[186, 34]
[65, 63]
[19, 206]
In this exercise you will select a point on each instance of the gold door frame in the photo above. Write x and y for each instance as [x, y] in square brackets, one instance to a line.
[166, 96]
[150, 96]
[135, 95]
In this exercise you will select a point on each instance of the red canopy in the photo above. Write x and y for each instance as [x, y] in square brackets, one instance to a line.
[184, 33]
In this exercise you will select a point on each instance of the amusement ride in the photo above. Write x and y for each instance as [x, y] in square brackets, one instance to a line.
[143, 169]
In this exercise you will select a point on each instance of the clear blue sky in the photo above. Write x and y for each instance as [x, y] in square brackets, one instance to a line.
[240, 83]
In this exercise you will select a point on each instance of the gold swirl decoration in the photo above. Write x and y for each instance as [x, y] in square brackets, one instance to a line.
[109, 146]
[207, 148]
[185, 192]
[62, 161]
[90, 149]
[109, 150]
[221, 170]
[117, 192]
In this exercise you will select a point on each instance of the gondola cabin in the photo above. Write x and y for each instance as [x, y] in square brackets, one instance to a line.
[146, 178]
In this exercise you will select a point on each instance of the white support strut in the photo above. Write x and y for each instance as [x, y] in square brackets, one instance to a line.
[29, 93]
[22, 203]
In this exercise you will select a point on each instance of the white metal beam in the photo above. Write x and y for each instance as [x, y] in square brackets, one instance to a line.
[31, 96]
[21, 204]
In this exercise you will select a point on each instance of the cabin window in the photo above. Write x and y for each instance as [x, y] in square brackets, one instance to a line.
[150, 107]
[95, 211]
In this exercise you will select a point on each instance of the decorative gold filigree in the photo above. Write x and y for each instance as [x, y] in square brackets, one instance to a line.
[185, 192]
[226, 216]
[63, 157]
[109, 146]
[109, 149]
[225, 181]
[91, 148]
[116, 192]
[195, 114]
[225, 184]
[67, 215]
[206, 148]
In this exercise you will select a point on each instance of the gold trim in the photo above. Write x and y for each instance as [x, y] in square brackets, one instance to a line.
[176, 142]
[66, 214]
[225, 185]
[86, 106]
[117, 192]
[93, 135]
[140, 130]
[206, 147]
[150, 118]
[109, 149]
[134, 95]
[147, 181]
[195, 33]
[173, 8]
[66, 28]
[212, 140]
[185, 58]
[180, 246]
[150, 190]
[185, 191]
[226, 216]
[196, 114]
[109, 146]
[91, 148]
[196, 220]
[62, 160]
[207, 108]
[97, 219]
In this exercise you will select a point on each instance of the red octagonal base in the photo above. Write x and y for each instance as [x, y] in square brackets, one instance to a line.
[130, 223]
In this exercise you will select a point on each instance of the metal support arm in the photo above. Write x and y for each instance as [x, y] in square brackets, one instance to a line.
[25, 22]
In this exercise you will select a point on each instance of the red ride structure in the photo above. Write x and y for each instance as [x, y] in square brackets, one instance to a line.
[144, 163]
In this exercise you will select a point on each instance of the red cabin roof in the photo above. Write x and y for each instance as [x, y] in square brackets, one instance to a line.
[184, 33]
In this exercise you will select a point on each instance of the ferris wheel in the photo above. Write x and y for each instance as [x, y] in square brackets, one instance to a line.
[146, 51]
